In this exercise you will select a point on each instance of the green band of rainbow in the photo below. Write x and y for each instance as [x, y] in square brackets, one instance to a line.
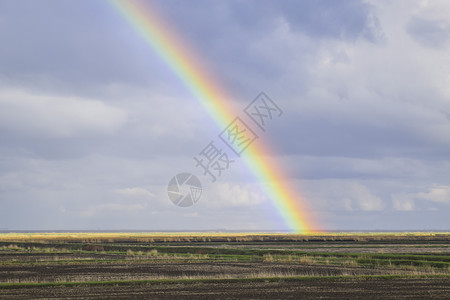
[178, 56]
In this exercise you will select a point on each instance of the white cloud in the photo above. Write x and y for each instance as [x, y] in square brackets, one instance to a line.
[403, 202]
[407, 201]
[437, 193]
[224, 194]
[347, 204]
[191, 215]
[382, 86]
[365, 199]
[135, 191]
[100, 209]
[56, 116]
[342, 194]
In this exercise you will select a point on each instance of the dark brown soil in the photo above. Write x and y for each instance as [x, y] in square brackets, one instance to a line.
[62, 261]
[311, 289]
[345, 248]
[145, 270]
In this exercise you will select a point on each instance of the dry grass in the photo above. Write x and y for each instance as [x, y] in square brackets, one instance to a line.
[153, 237]
[16, 248]
[262, 274]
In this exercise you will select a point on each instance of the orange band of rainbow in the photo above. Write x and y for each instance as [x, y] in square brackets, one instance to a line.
[179, 57]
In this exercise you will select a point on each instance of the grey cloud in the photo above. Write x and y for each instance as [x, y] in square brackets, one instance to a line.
[49, 116]
[324, 18]
[327, 18]
[49, 44]
[261, 40]
[429, 33]
[99, 124]
[361, 132]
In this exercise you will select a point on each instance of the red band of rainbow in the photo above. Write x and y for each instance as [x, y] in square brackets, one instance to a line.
[164, 40]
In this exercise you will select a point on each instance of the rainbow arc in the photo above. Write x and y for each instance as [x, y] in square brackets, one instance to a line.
[178, 55]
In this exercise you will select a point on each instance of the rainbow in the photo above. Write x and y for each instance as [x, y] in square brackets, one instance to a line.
[178, 55]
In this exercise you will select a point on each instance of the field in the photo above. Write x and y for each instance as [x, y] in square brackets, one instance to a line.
[219, 265]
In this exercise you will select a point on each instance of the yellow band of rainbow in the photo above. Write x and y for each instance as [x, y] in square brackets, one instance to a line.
[180, 58]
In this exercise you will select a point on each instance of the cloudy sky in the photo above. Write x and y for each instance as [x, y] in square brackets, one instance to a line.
[93, 124]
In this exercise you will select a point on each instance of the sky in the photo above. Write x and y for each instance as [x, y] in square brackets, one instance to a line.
[94, 124]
